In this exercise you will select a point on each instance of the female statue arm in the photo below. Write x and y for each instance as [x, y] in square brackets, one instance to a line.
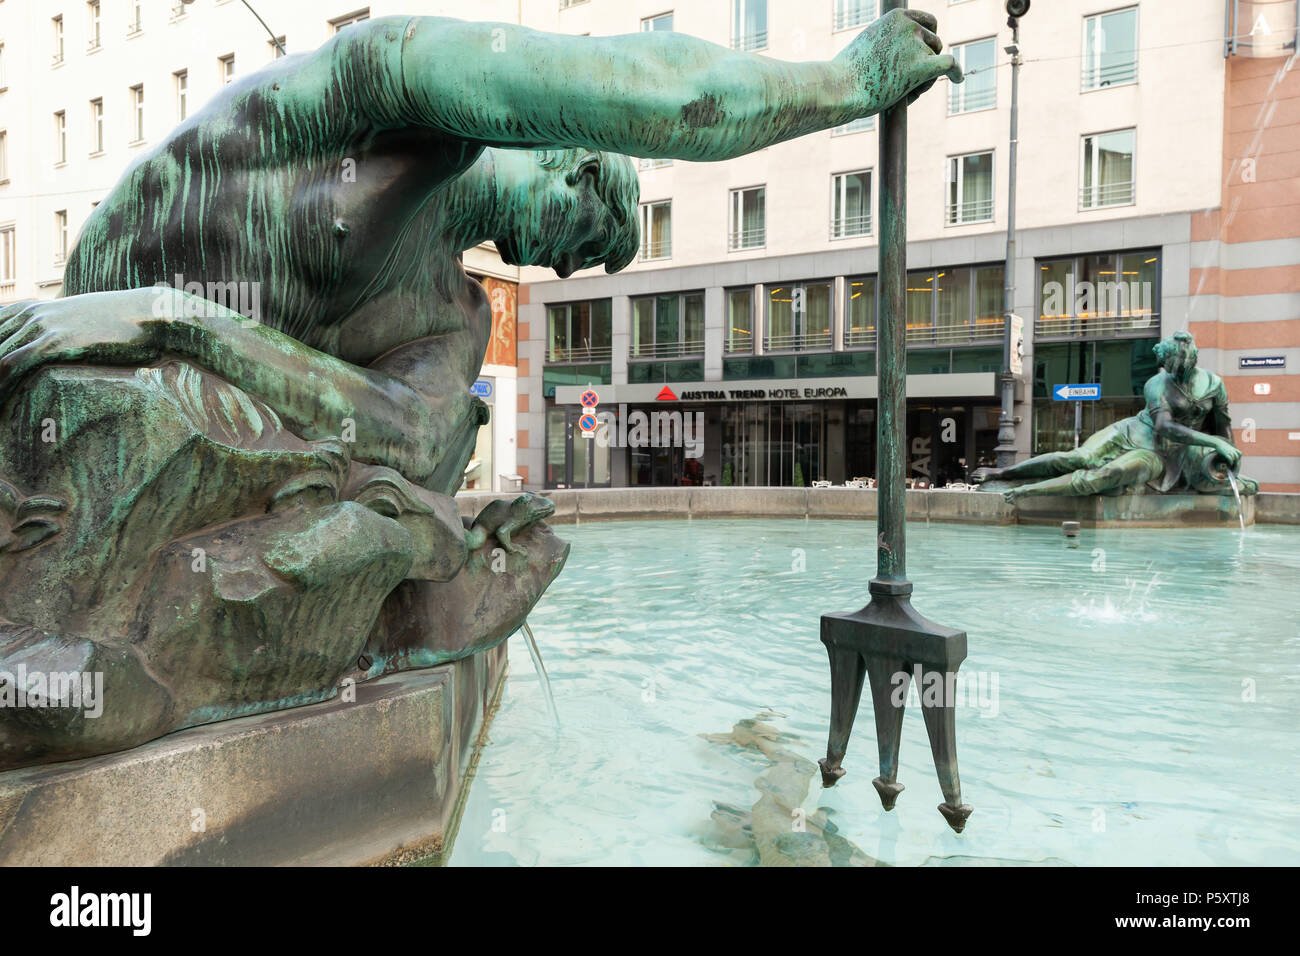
[1168, 428]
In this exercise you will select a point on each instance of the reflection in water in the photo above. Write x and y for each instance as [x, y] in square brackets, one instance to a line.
[777, 831]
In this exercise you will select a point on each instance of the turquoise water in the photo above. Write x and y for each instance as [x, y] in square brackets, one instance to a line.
[1145, 711]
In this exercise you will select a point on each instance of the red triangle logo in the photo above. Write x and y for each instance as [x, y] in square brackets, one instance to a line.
[666, 395]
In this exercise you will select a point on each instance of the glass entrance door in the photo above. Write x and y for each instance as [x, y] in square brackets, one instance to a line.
[573, 461]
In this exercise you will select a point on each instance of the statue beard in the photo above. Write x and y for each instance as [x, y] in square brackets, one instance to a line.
[547, 237]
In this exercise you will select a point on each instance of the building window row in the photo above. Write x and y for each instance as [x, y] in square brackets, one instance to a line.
[1094, 296]
[1106, 172]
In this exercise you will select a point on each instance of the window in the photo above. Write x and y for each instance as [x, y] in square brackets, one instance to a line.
[749, 24]
[182, 78]
[747, 227]
[851, 204]
[970, 188]
[58, 39]
[3, 84]
[96, 127]
[655, 163]
[798, 316]
[1110, 49]
[60, 138]
[740, 321]
[663, 21]
[60, 236]
[8, 272]
[980, 90]
[656, 230]
[226, 68]
[92, 9]
[351, 19]
[137, 113]
[666, 326]
[1106, 166]
[134, 23]
[4, 156]
[859, 125]
[178, 9]
[854, 13]
[565, 4]
[860, 316]
[580, 331]
[278, 47]
[1099, 295]
[954, 305]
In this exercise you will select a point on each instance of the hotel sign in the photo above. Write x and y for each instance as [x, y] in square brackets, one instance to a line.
[946, 385]
[761, 394]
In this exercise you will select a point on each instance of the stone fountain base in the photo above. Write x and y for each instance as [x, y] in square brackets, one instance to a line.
[378, 780]
[1137, 511]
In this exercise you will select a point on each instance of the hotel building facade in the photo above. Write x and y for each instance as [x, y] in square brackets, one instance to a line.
[1157, 191]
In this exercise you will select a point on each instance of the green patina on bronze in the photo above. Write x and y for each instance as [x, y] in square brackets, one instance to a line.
[1180, 442]
[246, 496]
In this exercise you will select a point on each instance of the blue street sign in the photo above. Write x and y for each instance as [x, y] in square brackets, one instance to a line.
[482, 388]
[1076, 393]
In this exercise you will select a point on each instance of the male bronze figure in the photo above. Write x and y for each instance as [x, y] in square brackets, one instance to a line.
[225, 516]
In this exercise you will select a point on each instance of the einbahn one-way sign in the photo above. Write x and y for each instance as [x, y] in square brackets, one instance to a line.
[1076, 393]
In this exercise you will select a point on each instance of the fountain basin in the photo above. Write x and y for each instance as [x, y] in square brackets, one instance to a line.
[1110, 688]
[378, 780]
[1138, 511]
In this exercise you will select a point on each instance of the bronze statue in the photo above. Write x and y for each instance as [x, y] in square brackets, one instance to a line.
[226, 458]
[1181, 441]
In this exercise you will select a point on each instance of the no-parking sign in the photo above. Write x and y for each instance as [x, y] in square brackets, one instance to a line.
[589, 399]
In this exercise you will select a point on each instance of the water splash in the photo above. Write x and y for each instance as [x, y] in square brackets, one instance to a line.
[542, 676]
[1131, 609]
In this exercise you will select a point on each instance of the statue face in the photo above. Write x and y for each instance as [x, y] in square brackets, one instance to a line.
[556, 215]
[1181, 364]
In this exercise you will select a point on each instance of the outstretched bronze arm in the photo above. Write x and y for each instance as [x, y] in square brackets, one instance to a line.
[644, 94]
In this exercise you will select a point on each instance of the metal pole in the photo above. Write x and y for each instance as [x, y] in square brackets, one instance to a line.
[1078, 422]
[891, 424]
[889, 641]
[1006, 448]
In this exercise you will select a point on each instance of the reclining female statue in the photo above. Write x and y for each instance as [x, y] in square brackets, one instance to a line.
[1181, 440]
[226, 516]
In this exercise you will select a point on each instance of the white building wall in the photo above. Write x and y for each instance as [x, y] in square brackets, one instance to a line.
[1176, 107]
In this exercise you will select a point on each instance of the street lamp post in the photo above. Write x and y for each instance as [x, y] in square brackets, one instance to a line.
[1006, 447]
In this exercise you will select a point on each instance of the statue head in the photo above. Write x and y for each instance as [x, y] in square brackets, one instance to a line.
[1177, 355]
[568, 209]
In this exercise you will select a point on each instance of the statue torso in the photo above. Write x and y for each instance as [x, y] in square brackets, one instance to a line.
[341, 238]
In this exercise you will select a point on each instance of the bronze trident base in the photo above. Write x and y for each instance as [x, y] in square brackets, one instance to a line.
[885, 642]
